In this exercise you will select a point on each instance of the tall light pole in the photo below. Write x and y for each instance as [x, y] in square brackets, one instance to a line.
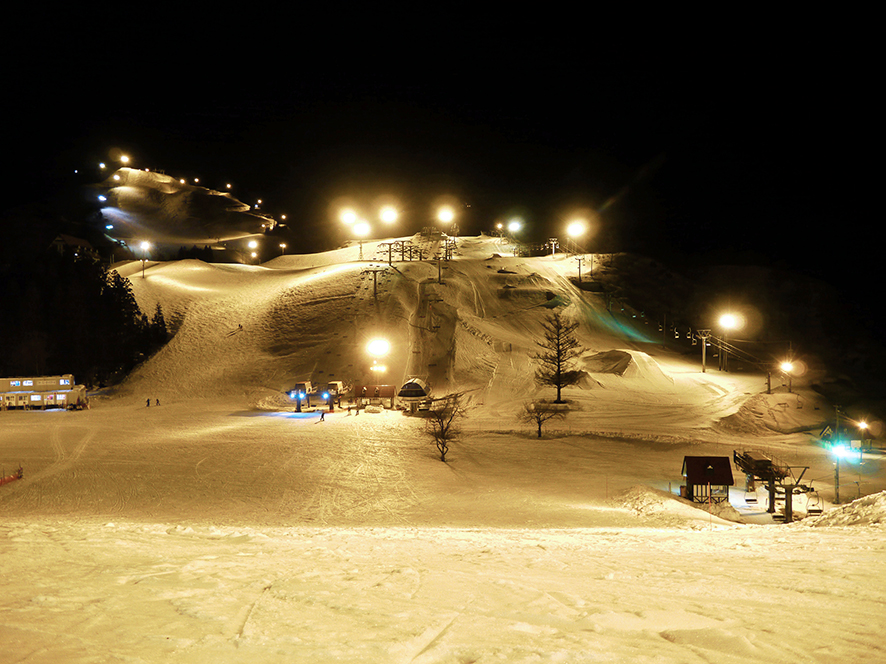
[787, 369]
[446, 215]
[727, 322]
[361, 230]
[378, 348]
[574, 230]
[144, 247]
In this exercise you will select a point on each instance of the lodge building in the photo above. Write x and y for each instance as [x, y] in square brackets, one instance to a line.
[41, 392]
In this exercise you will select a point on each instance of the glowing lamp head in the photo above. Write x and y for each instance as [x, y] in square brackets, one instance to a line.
[514, 225]
[378, 347]
[361, 229]
[840, 451]
[348, 216]
[145, 246]
[388, 214]
[252, 244]
[787, 367]
[576, 229]
[730, 322]
[446, 214]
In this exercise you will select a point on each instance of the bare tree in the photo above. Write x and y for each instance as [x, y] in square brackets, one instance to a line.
[442, 421]
[558, 349]
[538, 413]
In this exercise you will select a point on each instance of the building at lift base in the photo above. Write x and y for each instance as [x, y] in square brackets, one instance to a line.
[41, 392]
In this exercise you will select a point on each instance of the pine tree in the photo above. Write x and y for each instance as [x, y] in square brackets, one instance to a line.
[558, 350]
[159, 331]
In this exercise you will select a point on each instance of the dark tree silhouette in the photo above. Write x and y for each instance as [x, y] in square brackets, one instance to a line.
[442, 421]
[66, 313]
[538, 413]
[558, 349]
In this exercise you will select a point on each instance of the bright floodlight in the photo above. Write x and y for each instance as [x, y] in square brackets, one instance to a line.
[446, 214]
[388, 214]
[361, 229]
[576, 228]
[787, 367]
[124, 159]
[348, 216]
[862, 425]
[378, 347]
[514, 225]
[729, 322]
[145, 246]
[252, 244]
[841, 451]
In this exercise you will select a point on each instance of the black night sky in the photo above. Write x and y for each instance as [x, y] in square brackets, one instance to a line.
[713, 158]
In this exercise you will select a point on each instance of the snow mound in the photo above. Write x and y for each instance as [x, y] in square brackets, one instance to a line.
[862, 512]
[671, 511]
[636, 367]
[610, 361]
[780, 412]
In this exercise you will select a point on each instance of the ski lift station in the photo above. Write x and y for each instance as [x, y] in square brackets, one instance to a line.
[414, 393]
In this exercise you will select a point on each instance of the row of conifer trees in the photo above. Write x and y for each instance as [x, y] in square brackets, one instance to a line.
[67, 313]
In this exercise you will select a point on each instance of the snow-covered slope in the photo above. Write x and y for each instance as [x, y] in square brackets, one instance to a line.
[470, 324]
[218, 525]
[149, 205]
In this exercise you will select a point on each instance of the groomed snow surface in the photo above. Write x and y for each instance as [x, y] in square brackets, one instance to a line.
[221, 526]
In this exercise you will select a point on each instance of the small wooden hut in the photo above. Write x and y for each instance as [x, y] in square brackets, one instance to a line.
[707, 479]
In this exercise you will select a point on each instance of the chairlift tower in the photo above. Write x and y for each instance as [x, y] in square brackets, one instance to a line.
[374, 271]
[703, 336]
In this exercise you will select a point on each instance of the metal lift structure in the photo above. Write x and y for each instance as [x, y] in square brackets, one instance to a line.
[758, 466]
